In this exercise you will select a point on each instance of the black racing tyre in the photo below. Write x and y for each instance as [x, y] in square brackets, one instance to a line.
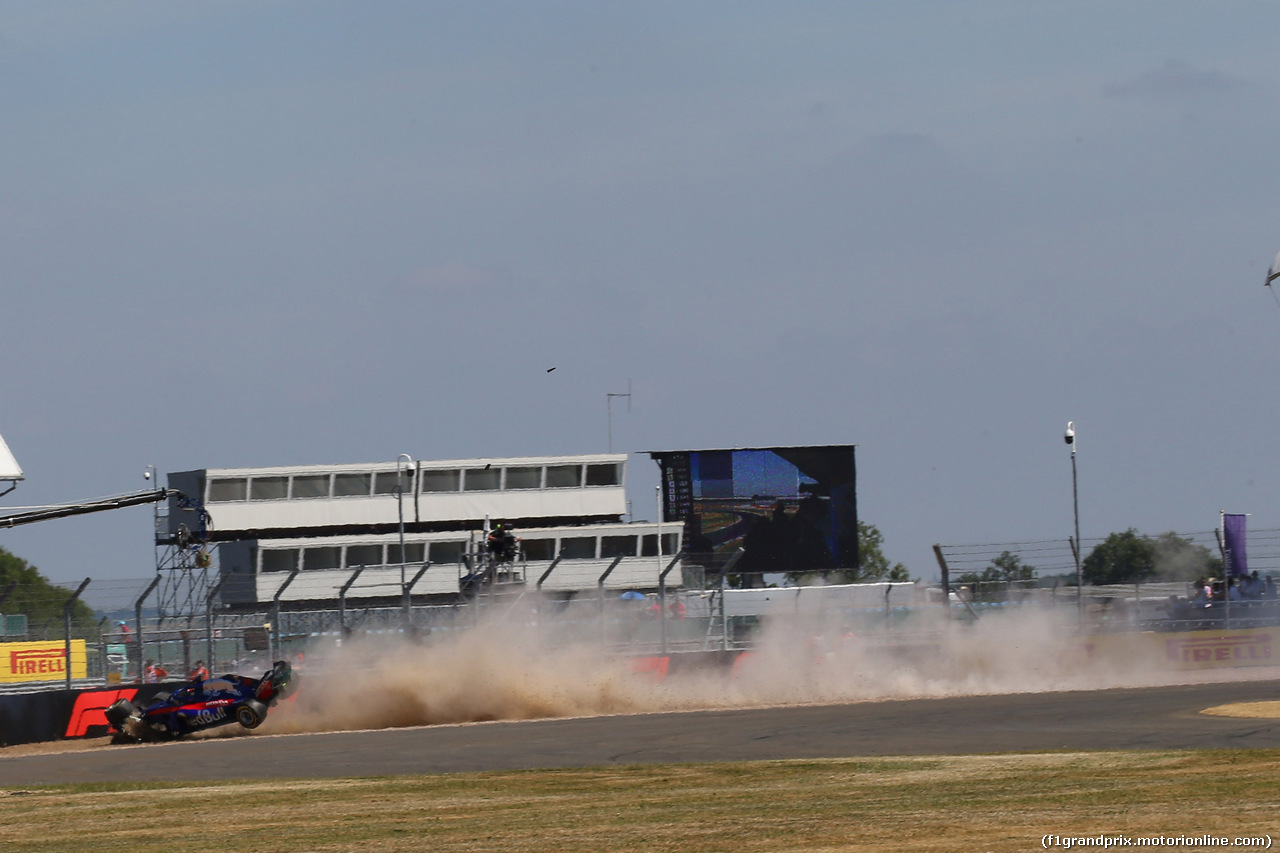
[251, 713]
[119, 711]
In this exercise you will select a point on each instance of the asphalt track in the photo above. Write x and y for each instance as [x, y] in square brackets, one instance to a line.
[1158, 718]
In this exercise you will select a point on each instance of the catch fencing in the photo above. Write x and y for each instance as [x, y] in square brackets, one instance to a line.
[1155, 604]
[121, 639]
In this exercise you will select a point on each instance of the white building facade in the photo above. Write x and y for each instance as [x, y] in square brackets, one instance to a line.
[334, 530]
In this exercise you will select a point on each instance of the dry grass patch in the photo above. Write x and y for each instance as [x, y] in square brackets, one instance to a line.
[1257, 710]
[996, 803]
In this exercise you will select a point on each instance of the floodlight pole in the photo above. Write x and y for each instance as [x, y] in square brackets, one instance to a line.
[1075, 506]
[404, 587]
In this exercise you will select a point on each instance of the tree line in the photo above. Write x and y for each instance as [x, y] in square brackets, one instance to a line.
[1122, 558]
[41, 601]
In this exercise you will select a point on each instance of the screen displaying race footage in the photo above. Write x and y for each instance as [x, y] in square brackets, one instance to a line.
[791, 509]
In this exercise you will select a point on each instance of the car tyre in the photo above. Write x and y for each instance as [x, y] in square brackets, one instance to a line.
[118, 712]
[251, 713]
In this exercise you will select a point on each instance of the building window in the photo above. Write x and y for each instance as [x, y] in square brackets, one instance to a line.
[538, 549]
[228, 490]
[649, 544]
[364, 555]
[279, 559]
[319, 559]
[268, 488]
[564, 476]
[414, 552]
[524, 478]
[482, 480]
[387, 481]
[578, 548]
[349, 485]
[311, 486]
[603, 475]
[670, 543]
[617, 546]
[445, 553]
[441, 481]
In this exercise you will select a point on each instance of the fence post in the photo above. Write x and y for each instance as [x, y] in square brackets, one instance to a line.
[724, 613]
[538, 588]
[408, 597]
[208, 622]
[102, 648]
[600, 591]
[275, 608]
[551, 568]
[66, 619]
[137, 615]
[342, 600]
[662, 593]
[946, 579]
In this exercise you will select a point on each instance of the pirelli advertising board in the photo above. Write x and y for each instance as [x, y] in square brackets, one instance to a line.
[1192, 649]
[20, 662]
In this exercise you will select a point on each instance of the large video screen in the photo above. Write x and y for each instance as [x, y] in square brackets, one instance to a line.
[791, 509]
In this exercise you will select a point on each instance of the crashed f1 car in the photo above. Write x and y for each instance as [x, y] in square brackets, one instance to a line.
[201, 705]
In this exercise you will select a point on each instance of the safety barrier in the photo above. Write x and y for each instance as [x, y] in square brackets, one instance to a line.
[57, 714]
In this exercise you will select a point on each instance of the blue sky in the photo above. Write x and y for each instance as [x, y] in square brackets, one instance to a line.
[243, 234]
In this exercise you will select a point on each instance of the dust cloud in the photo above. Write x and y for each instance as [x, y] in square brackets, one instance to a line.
[515, 668]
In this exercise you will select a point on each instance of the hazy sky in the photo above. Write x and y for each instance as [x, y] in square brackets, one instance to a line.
[246, 233]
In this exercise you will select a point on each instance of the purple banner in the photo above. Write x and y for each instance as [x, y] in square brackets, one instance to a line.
[1237, 564]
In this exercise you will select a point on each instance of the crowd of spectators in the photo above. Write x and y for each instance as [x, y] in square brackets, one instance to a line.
[1250, 587]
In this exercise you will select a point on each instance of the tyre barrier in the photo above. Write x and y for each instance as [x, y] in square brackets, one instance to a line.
[60, 714]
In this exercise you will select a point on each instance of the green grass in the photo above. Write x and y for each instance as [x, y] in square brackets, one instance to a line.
[979, 803]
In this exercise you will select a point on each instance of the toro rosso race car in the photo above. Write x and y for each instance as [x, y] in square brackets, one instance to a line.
[201, 705]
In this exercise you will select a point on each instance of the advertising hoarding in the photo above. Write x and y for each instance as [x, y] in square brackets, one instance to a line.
[41, 661]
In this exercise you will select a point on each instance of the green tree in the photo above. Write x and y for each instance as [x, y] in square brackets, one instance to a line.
[873, 564]
[1005, 569]
[41, 601]
[1120, 558]
[1131, 558]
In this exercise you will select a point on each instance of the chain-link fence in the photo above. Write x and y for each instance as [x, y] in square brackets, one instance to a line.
[992, 576]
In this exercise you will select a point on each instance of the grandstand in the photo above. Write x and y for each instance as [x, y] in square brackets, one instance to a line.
[313, 533]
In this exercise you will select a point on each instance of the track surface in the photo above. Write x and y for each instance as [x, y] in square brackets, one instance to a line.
[1148, 718]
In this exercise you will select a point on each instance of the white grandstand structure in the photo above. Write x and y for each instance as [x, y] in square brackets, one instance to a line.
[318, 533]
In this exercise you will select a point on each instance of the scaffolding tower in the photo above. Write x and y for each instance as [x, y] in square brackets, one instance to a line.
[183, 557]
